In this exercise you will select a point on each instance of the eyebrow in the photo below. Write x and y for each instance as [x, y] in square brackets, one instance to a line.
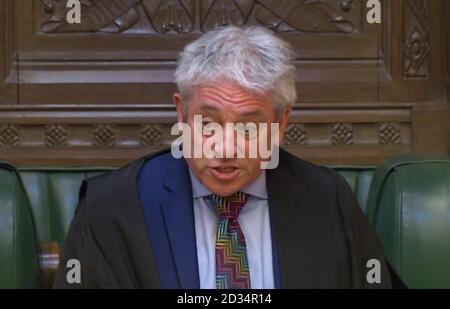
[207, 106]
[252, 113]
[215, 109]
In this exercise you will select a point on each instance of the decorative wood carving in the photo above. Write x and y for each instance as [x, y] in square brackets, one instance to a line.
[56, 135]
[342, 134]
[81, 136]
[117, 59]
[171, 16]
[304, 16]
[218, 13]
[9, 135]
[389, 133]
[159, 135]
[295, 135]
[151, 135]
[417, 44]
[97, 15]
[104, 135]
[179, 16]
[99, 92]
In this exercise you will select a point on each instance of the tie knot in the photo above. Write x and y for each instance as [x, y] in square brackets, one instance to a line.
[230, 206]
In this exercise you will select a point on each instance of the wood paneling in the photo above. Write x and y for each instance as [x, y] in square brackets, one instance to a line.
[8, 65]
[134, 64]
[100, 92]
[90, 134]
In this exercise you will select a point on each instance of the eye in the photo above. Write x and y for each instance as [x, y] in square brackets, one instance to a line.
[209, 126]
[248, 130]
[206, 122]
[251, 132]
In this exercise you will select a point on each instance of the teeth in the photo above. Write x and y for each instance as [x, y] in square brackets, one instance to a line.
[226, 169]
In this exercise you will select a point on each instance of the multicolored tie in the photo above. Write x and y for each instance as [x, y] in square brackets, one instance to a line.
[232, 271]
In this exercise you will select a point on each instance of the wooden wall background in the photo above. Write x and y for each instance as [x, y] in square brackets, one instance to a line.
[100, 92]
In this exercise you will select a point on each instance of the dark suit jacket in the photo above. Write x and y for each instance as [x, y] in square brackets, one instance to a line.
[320, 236]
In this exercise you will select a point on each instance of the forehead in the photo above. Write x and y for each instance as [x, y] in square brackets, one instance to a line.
[227, 95]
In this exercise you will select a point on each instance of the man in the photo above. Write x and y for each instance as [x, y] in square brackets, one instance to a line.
[219, 221]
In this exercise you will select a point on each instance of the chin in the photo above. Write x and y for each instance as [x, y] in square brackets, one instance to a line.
[220, 190]
[226, 193]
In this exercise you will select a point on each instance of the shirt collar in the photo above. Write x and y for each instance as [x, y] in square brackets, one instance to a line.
[257, 188]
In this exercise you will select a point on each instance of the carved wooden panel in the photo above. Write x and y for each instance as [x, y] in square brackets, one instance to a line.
[122, 45]
[185, 16]
[413, 51]
[417, 40]
[100, 92]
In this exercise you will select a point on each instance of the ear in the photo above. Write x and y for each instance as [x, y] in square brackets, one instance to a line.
[284, 120]
[178, 101]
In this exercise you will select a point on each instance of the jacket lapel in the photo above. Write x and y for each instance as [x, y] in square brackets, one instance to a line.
[178, 214]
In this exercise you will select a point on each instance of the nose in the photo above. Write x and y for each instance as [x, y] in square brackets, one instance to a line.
[225, 146]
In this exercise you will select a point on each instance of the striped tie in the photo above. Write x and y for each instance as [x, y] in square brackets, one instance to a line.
[232, 271]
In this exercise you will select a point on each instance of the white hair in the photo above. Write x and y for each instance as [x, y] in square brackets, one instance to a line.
[253, 57]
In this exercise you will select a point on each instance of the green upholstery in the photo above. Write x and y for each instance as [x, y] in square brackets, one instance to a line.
[409, 206]
[18, 248]
[359, 178]
[53, 193]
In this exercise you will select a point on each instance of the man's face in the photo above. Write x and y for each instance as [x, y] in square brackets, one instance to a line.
[228, 103]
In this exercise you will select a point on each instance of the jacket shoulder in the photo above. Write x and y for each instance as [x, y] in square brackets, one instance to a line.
[128, 174]
[317, 176]
[121, 185]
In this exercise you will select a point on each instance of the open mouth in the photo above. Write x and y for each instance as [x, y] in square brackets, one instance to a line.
[225, 169]
[225, 172]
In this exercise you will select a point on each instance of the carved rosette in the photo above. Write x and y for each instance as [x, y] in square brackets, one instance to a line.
[389, 133]
[342, 134]
[9, 135]
[295, 135]
[104, 135]
[56, 135]
[151, 135]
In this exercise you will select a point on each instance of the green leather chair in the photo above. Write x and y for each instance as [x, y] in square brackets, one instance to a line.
[18, 247]
[409, 206]
[53, 193]
[359, 178]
